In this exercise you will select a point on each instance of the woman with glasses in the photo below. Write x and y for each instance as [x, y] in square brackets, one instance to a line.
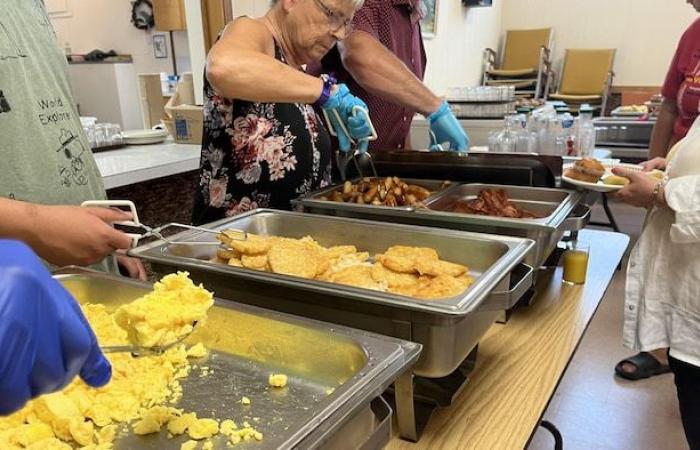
[263, 143]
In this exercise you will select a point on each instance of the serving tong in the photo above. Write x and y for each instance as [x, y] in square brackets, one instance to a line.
[344, 158]
[138, 350]
[157, 232]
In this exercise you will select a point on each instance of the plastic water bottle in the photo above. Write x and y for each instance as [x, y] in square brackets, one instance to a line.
[586, 132]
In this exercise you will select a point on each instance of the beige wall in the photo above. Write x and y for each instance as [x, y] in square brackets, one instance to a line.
[106, 25]
[252, 8]
[454, 54]
[645, 32]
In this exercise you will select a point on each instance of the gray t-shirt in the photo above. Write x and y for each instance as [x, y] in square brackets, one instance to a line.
[44, 154]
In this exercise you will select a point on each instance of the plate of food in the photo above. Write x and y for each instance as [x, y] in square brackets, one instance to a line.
[591, 174]
[630, 111]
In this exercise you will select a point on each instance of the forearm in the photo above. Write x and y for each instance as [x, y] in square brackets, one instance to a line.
[381, 73]
[18, 220]
[663, 130]
[256, 77]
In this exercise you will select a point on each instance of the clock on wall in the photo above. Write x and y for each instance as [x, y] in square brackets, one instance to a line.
[142, 14]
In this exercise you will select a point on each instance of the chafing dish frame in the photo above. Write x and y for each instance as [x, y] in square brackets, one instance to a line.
[568, 215]
[387, 358]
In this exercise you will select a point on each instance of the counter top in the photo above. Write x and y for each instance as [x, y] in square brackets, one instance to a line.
[520, 364]
[137, 163]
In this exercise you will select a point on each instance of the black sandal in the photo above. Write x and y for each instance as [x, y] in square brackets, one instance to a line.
[646, 366]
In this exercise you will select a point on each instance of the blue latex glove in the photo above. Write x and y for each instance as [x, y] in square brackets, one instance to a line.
[45, 339]
[343, 102]
[446, 128]
[359, 129]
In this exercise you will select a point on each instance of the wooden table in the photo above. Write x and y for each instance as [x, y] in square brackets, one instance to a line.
[520, 364]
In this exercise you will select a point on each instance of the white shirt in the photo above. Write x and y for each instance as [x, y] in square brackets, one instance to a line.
[662, 302]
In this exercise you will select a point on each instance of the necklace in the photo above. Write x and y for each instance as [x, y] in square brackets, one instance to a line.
[276, 35]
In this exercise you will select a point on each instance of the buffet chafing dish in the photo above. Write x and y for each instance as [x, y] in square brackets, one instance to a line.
[474, 167]
[561, 208]
[246, 344]
[448, 329]
[627, 138]
[434, 186]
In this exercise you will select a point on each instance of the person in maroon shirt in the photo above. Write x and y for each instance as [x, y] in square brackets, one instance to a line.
[383, 62]
[680, 108]
[681, 92]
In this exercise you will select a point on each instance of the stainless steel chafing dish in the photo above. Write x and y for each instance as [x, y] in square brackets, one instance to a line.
[562, 209]
[448, 329]
[434, 186]
[246, 344]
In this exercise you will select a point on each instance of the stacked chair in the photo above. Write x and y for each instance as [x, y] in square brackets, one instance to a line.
[586, 77]
[525, 63]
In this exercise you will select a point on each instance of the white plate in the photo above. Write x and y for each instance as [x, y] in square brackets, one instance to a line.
[600, 186]
[142, 137]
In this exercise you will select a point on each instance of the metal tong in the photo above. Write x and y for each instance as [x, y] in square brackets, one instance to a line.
[343, 158]
[157, 231]
[138, 351]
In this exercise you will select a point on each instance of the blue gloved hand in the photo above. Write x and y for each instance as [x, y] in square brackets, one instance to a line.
[45, 339]
[446, 128]
[360, 130]
[343, 102]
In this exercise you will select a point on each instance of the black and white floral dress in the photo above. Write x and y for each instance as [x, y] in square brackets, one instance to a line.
[258, 155]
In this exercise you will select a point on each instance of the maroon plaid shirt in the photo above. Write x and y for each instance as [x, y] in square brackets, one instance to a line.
[396, 24]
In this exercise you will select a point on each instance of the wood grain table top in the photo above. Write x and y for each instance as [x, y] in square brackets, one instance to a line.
[520, 364]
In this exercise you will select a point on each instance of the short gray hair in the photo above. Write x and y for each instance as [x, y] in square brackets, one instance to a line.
[356, 4]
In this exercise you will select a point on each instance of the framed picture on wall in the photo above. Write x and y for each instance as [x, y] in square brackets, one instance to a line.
[429, 22]
[160, 46]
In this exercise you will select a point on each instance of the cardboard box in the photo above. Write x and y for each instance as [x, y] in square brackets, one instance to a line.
[188, 123]
[152, 101]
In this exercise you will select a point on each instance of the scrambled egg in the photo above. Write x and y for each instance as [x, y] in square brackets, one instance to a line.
[277, 380]
[197, 351]
[168, 313]
[88, 418]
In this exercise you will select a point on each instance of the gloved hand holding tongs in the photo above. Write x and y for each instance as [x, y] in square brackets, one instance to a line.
[445, 128]
[348, 119]
[342, 112]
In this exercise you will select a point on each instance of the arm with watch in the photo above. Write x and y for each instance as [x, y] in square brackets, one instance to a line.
[241, 66]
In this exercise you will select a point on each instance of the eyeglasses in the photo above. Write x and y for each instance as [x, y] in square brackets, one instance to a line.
[336, 21]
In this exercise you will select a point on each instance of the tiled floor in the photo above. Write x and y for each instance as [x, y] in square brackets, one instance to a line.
[595, 410]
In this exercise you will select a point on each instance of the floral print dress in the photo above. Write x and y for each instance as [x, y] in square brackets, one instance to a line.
[258, 155]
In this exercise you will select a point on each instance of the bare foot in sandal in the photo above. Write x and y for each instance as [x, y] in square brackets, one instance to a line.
[643, 365]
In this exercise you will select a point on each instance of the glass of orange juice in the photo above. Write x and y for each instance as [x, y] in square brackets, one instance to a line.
[576, 262]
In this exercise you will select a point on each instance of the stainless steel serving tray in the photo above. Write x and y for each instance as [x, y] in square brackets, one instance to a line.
[563, 210]
[246, 344]
[489, 258]
[431, 185]
[448, 329]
